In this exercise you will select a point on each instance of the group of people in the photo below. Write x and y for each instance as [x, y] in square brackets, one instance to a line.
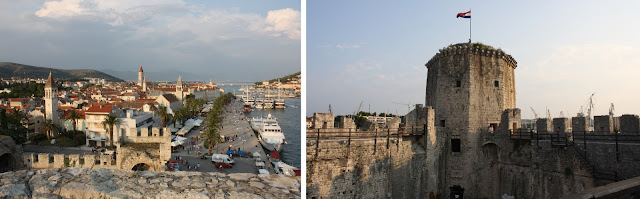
[186, 164]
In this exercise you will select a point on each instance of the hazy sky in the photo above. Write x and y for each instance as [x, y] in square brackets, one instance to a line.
[566, 50]
[227, 40]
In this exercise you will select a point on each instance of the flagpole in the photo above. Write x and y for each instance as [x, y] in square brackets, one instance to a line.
[469, 27]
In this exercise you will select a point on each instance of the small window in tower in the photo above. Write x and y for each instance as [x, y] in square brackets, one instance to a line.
[496, 83]
[442, 123]
[455, 145]
[458, 83]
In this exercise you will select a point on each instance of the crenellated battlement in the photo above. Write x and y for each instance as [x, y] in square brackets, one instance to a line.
[466, 48]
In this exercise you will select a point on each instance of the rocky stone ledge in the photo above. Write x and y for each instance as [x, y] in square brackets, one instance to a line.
[107, 183]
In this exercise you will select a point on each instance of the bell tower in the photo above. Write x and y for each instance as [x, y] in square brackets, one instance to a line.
[51, 100]
[140, 77]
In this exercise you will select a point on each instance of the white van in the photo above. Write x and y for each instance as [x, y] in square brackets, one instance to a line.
[221, 158]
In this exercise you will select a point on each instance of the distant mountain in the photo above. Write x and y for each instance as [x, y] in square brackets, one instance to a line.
[8, 70]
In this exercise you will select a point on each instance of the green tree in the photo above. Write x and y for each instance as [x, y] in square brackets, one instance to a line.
[50, 128]
[181, 115]
[109, 122]
[163, 114]
[74, 117]
[211, 138]
[13, 125]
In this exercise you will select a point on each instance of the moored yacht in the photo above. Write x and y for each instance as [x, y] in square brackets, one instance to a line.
[268, 103]
[259, 103]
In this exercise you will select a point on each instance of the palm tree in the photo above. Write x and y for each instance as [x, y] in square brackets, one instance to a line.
[74, 116]
[109, 121]
[163, 114]
[211, 138]
[50, 127]
[181, 115]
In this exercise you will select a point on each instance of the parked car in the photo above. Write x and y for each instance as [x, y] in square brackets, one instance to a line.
[222, 165]
[215, 158]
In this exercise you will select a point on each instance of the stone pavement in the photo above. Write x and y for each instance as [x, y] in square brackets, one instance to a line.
[106, 183]
[234, 123]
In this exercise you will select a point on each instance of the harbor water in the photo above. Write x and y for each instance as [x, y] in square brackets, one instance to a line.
[289, 121]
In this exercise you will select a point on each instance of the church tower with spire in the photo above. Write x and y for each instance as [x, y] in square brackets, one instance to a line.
[144, 84]
[51, 100]
[179, 91]
[140, 76]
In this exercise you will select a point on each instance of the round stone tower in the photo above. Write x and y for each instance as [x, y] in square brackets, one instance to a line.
[469, 86]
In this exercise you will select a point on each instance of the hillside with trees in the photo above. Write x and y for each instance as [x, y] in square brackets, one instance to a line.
[9, 69]
[283, 80]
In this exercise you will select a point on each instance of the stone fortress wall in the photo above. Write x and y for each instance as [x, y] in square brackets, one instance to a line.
[469, 89]
[151, 148]
[364, 168]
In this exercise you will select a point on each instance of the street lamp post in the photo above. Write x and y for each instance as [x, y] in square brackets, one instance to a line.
[243, 141]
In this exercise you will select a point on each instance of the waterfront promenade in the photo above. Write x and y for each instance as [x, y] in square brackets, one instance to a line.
[234, 124]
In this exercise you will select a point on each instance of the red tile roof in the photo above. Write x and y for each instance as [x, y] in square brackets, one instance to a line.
[66, 113]
[105, 109]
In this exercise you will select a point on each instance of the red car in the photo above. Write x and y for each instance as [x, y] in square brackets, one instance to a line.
[222, 165]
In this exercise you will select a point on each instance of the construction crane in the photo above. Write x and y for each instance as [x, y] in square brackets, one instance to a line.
[534, 113]
[611, 110]
[408, 106]
[359, 107]
[590, 106]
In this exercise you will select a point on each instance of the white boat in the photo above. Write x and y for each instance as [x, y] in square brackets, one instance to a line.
[268, 103]
[269, 132]
[285, 169]
[259, 103]
[280, 103]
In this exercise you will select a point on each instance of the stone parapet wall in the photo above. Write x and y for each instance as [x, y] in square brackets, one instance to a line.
[624, 160]
[366, 169]
[48, 160]
[107, 183]
[464, 48]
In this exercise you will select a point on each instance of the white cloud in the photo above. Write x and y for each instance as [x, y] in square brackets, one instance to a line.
[284, 21]
[114, 12]
[345, 45]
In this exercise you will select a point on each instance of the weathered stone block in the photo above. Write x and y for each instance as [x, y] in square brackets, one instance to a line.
[630, 124]
[603, 124]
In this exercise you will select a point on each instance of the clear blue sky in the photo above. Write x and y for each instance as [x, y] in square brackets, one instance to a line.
[225, 40]
[375, 52]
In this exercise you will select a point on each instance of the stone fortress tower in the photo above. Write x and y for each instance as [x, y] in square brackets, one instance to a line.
[51, 100]
[469, 87]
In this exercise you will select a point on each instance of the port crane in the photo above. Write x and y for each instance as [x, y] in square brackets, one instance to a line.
[535, 115]
[359, 107]
[611, 110]
[408, 106]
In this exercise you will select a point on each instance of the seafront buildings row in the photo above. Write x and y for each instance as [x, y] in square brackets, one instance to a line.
[132, 103]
